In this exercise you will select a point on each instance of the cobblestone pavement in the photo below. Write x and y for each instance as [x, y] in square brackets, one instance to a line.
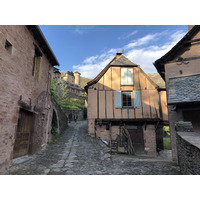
[76, 153]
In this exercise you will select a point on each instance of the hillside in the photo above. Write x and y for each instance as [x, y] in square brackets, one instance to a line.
[84, 82]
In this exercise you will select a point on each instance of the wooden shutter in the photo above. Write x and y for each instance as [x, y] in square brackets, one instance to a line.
[126, 76]
[118, 99]
[129, 76]
[136, 98]
[123, 76]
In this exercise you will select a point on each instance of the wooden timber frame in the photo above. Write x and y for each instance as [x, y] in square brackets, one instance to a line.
[123, 143]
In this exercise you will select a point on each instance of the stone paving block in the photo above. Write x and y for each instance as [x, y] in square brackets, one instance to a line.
[59, 164]
[75, 152]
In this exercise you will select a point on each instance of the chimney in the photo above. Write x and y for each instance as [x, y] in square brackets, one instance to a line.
[190, 27]
[77, 78]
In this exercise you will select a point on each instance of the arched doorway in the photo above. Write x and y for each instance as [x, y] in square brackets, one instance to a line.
[54, 124]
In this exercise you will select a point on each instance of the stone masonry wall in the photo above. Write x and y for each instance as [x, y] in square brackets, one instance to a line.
[188, 147]
[16, 81]
[77, 112]
[62, 117]
[150, 140]
[107, 135]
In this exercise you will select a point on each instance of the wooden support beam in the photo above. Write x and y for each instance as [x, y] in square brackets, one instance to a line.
[145, 125]
[157, 126]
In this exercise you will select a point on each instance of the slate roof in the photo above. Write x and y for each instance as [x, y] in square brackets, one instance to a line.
[184, 89]
[156, 78]
[72, 85]
[123, 61]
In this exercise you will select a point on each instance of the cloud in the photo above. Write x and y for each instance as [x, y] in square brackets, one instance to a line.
[90, 59]
[145, 40]
[127, 35]
[82, 29]
[93, 65]
[143, 51]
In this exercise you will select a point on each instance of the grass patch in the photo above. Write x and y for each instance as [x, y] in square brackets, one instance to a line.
[74, 104]
[167, 143]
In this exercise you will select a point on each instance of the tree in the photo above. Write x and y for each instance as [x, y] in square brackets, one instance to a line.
[59, 90]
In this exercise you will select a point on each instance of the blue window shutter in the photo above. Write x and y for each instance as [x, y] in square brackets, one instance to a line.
[118, 99]
[136, 98]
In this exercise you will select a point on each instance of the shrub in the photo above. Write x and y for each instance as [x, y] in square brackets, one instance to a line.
[53, 130]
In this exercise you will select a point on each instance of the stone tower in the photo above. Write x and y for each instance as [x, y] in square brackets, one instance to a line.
[77, 78]
[69, 76]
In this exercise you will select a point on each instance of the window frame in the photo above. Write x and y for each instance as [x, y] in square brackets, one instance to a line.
[36, 62]
[123, 92]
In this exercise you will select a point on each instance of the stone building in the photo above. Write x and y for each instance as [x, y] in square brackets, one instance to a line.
[180, 68]
[122, 94]
[26, 62]
[73, 81]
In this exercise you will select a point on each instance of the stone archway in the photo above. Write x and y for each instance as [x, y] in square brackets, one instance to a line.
[55, 123]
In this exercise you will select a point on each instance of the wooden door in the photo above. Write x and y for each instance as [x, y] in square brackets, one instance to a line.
[22, 140]
[137, 138]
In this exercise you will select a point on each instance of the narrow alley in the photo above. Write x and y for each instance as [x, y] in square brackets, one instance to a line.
[76, 153]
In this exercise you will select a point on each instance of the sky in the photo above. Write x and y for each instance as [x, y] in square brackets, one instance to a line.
[89, 48]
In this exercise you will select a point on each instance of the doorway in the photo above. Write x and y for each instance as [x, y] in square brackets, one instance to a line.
[137, 138]
[24, 128]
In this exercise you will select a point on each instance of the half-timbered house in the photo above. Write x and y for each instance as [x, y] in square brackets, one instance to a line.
[123, 97]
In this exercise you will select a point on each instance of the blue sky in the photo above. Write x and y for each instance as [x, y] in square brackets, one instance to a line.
[89, 48]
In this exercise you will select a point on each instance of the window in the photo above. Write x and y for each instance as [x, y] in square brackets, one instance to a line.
[36, 63]
[127, 99]
[8, 46]
[126, 76]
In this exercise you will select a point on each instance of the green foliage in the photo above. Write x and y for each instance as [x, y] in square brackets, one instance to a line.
[60, 94]
[53, 130]
[167, 143]
[59, 90]
[166, 130]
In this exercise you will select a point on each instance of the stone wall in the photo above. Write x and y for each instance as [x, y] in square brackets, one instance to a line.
[18, 84]
[103, 132]
[188, 148]
[77, 112]
[62, 118]
[150, 140]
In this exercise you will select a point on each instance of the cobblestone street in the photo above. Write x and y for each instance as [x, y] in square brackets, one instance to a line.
[76, 153]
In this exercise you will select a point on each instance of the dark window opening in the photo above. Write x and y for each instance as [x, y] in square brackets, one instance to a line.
[126, 98]
[8, 46]
[36, 63]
